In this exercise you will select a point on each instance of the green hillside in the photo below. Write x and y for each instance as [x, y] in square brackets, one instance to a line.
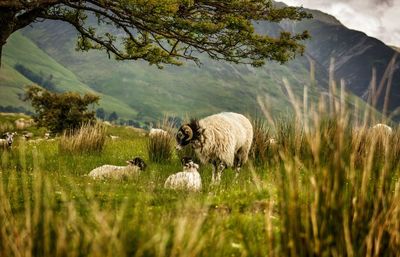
[21, 50]
[185, 90]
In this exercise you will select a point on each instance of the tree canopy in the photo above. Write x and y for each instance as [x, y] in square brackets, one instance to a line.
[60, 111]
[165, 31]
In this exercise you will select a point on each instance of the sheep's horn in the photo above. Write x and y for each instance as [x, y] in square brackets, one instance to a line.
[188, 131]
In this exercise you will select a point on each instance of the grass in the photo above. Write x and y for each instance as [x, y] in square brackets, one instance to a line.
[329, 189]
[88, 138]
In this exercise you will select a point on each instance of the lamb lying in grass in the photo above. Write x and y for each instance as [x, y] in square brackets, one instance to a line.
[133, 168]
[188, 179]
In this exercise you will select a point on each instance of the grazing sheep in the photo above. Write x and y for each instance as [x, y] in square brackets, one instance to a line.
[155, 132]
[222, 139]
[22, 123]
[27, 135]
[119, 172]
[7, 140]
[188, 179]
[382, 128]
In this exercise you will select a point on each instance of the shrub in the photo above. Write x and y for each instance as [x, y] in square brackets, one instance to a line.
[60, 111]
[86, 139]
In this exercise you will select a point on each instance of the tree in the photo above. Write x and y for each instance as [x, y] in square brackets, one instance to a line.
[113, 117]
[165, 31]
[60, 111]
[100, 113]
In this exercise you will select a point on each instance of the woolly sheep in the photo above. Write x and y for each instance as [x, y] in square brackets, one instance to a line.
[119, 172]
[156, 131]
[7, 140]
[222, 139]
[188, 179]
[382, 128]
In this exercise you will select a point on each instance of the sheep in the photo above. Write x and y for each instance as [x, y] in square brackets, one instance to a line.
[7, 140]
[27, 135]
[222, 139]
[155, 132]
[133, 168]
[382, 128]
[188, 179]
[22, 123]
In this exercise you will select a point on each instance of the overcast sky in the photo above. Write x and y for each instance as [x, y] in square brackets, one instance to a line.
[377, 18]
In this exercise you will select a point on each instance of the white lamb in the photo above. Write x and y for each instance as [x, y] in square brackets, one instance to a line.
[222, 139]
[188, 179]
[133, 168]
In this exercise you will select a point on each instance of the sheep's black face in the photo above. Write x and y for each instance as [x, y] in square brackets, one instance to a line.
[188, 133]
[186, 161]
[137, 161]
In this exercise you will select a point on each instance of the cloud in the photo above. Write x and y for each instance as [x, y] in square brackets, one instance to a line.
[377, 18]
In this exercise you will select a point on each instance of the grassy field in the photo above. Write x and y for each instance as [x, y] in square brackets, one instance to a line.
[325, 190]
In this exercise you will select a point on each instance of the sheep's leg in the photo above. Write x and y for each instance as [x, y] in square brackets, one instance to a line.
[237, 165]
[214, 171]
[221, 168]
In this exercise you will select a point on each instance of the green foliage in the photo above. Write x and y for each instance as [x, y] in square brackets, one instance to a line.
[60, 111]
[113, 116]
[167, 31]
[87, 139]
[100, 113]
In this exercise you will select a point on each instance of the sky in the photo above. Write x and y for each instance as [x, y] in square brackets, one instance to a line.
[376, 18]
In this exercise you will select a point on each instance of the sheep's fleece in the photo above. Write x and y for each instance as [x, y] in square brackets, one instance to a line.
[133, 168]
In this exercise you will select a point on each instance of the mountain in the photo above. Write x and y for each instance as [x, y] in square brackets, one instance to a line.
[141, 92]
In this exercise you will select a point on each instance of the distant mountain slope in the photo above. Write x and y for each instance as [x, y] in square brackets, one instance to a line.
[21, 50]
[355, 55]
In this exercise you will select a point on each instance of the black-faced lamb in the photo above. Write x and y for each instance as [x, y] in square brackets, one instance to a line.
[7, 140]
[133, 168]
[223, 139]
[188, 179]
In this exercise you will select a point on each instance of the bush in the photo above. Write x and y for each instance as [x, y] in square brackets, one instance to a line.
[60, 111]
[86, 139]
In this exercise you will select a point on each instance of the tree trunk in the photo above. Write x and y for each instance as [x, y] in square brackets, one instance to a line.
[7, 26]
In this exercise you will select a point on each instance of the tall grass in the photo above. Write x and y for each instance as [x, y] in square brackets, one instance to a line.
[88, 138]
[160, 146]
[263, 146]
[339, 185]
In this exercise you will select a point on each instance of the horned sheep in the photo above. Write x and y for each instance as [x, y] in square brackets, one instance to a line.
[222, 139]
[188, 179]
[133, 168]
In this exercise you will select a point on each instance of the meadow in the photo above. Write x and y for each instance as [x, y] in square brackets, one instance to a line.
[328, 188]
